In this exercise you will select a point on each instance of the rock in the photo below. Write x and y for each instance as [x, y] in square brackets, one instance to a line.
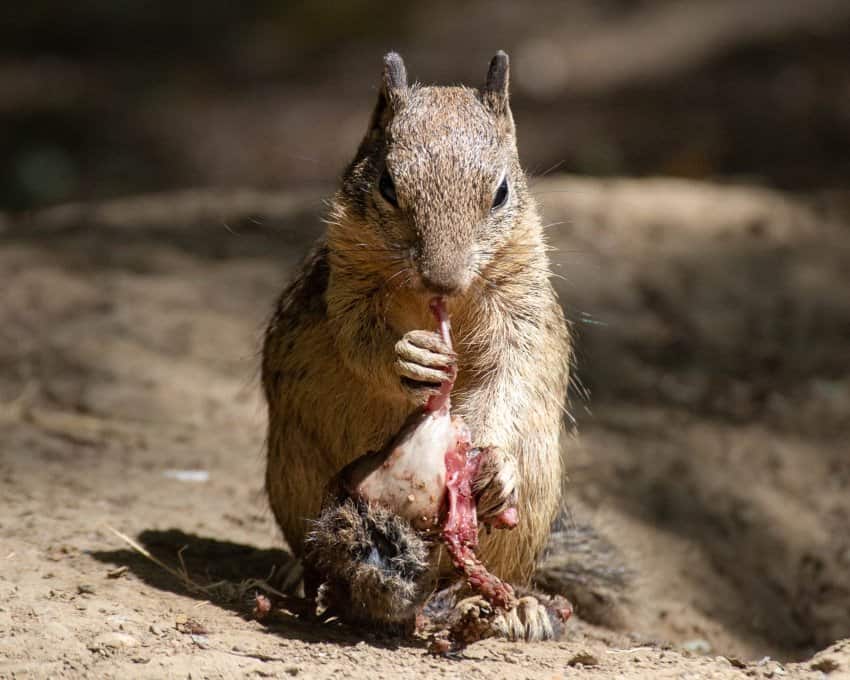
[697, 646]
[201, 640]
[583, 658]
[114, 641]
[117, 572]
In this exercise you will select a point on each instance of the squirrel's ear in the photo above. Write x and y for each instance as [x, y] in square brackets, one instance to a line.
[395, 75]
[495, 93]
[393, 87]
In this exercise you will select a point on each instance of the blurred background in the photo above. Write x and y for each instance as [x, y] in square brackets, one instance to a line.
[163, 170]
[101, 98]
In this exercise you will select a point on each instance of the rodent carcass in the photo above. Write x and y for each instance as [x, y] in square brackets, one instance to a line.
[387, 515]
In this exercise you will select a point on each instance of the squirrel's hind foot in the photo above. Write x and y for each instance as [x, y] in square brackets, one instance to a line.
[535, 618]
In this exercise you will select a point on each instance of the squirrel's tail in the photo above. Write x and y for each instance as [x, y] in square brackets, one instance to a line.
[590, 571]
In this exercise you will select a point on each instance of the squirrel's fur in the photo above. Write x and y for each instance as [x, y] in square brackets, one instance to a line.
[334, 379]
[375, 568]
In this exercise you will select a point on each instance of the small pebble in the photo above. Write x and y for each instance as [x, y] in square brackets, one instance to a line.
[825, 665]
[117, 572]
[697, 646]
[583, 658]
[114, 641]
[201, 640]
[187, 475]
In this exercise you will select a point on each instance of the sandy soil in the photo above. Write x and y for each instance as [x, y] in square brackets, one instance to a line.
[712, 453]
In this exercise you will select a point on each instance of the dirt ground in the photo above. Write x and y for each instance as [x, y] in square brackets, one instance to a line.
[713, 416]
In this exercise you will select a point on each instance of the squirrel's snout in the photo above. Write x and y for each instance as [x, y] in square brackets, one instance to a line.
[444, 270]
[445, 282]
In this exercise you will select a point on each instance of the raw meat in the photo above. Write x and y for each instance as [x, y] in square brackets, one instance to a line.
[425, 475]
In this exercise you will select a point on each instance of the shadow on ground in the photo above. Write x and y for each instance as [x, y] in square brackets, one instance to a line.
[209, 562]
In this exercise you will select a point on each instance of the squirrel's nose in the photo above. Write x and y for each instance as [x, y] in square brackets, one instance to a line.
[444, 282]
[440, 287]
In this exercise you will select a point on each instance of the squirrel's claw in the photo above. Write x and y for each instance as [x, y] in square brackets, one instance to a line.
[423, 362]
[495, 487]
[534, 619]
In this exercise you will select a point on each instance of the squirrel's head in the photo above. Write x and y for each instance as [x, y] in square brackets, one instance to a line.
[435, 190]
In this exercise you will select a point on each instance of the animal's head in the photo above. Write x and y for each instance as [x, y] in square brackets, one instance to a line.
[436, 189]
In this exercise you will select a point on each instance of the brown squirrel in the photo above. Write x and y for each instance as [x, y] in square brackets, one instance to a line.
[434, 202]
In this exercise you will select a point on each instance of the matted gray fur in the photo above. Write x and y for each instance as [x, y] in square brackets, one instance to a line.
[376, 568]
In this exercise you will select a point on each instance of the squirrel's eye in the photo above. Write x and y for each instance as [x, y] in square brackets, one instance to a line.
[501, 195]
[387, 188]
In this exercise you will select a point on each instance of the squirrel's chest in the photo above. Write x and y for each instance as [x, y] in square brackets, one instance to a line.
[368, 424]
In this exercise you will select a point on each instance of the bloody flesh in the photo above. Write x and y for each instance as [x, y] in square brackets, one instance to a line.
[425, 474]
[460, 522]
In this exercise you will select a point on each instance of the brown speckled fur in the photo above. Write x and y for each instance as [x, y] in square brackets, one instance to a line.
[329, 349]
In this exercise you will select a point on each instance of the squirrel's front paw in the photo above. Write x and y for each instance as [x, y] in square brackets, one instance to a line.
[495, 487]
[423, 361]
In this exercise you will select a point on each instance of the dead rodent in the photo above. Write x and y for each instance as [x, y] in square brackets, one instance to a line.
[373, 551]
[434, 202]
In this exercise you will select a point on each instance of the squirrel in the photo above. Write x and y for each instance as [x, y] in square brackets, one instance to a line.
[435, 202]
